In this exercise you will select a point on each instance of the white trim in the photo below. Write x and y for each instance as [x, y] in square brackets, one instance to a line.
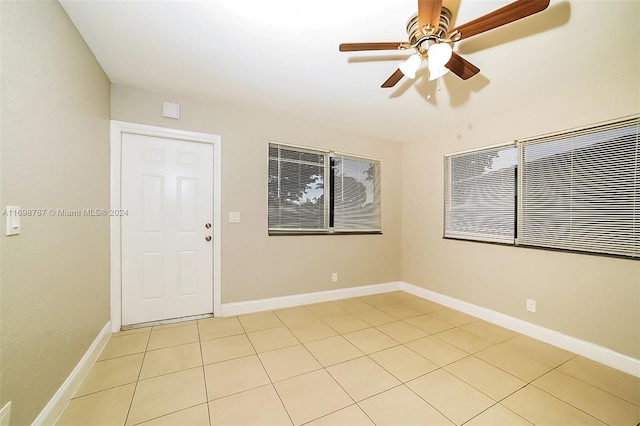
[484, 148]
[165, 321]
[301, 148]
[61, 398]
[354, 156]
[586, 349]
[238, 308]
[615, 123]
[117, 129]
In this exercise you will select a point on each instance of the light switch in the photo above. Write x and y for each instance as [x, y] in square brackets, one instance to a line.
[234, 217]
[13, 220]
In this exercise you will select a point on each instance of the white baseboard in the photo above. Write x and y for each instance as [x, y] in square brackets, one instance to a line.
[238, 308]
[586, 349]
[53, 409]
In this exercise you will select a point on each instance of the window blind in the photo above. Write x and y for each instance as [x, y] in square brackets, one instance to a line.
[480, 194]
[297, 199]
[356, 194]
[580, 191]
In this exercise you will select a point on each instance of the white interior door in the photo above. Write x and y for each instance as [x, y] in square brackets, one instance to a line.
[167, 252]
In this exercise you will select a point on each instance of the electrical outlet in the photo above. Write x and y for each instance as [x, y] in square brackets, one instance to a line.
[334, 277]
[531, 305]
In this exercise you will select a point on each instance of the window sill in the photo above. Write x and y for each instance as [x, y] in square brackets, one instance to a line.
[554, 249]
[296, 233]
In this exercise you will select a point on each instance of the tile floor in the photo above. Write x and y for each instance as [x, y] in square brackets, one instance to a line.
[391, 359]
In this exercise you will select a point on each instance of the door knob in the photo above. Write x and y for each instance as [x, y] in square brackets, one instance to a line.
[207, 238]
[207, 225]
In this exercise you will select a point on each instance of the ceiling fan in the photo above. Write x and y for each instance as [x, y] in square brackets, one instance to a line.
[430, 37]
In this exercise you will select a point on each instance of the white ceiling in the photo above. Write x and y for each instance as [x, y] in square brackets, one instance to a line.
[283, 55]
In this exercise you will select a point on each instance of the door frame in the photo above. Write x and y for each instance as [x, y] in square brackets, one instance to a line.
[118, 128]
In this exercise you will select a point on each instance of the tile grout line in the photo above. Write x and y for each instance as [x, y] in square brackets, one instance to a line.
[204, 376]
[454, 327]
[567, 402]
[329, 373]
[526, 384]
[496, 402]
[403, 383]
[264, 368]
[159, 375]
[342, 362]
[339, 409]
[490, 407]
[368, 355]
[587, 383]
[144, 355]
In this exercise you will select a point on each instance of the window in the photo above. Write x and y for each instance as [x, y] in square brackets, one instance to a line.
[575, 190]
[580, 190]
[296, 189]
[313, 191]
[480, 194]
[356, 194]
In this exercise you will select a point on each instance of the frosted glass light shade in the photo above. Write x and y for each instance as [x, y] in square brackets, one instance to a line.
[410, 66]
[439, 54]
[437, 71]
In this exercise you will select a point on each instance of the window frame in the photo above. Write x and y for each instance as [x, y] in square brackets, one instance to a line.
[456, 234]
[329, 182]
[629, 121]
[305, 231]
[581, 188]
[377, 193]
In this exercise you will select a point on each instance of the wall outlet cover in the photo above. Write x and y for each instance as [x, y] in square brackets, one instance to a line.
[531, 305]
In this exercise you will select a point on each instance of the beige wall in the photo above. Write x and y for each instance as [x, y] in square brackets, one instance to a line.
[255, 265]
[593, 298]
[55, 154]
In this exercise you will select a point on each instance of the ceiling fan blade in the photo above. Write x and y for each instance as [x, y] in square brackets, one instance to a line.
[461, 67]
[429, 13]
[512, 12]
[395, 78]
[356, 47]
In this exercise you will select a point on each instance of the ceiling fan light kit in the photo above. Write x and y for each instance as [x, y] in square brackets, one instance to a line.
[429, 35]
[438, 55]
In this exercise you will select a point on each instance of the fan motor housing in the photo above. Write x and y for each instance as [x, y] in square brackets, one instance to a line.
[416, 36]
